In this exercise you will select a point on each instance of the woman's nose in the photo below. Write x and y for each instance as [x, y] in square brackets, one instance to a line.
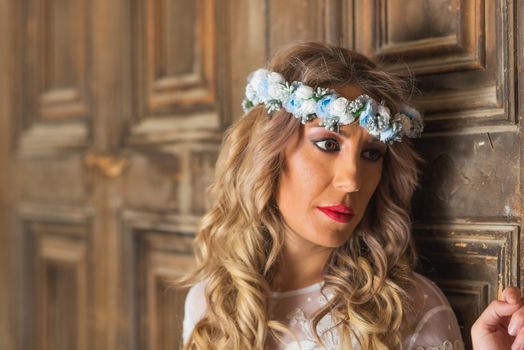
[348, 177]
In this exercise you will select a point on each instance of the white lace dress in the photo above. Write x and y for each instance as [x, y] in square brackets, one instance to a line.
[431, 326]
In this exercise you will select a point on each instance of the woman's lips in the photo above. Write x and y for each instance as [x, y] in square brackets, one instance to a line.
[337, 216]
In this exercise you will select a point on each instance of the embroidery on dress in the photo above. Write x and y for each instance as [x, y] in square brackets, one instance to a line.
[329, 336]
[322, 300]
[446, 345]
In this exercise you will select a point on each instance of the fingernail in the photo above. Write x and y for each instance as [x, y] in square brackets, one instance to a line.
[512, 330]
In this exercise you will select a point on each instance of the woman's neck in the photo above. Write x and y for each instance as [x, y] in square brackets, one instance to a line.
[301, 265]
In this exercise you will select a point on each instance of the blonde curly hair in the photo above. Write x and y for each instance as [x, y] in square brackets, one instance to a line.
[239, 241]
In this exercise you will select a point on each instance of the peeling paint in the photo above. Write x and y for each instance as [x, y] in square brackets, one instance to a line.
[507, 210]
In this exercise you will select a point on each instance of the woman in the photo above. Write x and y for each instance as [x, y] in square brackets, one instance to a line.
[308, 244]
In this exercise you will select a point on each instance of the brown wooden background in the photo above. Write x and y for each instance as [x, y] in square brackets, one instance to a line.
[112, 112]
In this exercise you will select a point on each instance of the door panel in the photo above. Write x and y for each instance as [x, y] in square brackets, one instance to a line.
[171, 146]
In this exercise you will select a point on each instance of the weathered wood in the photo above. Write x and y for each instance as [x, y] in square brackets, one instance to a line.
[460, 51]
[9, 329]
[157, 256]
[462, 56]
[470, 177]
[61, 287]
[249, 48]
[305, 20]
[112, 91]
[519, 49]
[471, 263]
[57, 48]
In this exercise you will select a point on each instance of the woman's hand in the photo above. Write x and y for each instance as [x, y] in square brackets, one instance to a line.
[501, 325]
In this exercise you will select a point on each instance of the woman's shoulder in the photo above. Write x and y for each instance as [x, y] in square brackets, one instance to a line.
[424, 298]
[195, 303]
[197, 292]
[194, 307]
[424, 293]
[429, 317]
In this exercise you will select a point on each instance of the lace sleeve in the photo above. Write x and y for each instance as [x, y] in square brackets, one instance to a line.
[194, 307]
[433, 326]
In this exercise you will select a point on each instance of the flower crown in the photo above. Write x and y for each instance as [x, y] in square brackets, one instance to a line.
[307, 103]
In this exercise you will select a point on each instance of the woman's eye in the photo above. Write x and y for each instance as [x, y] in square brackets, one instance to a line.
[372, 154]
[327, 145]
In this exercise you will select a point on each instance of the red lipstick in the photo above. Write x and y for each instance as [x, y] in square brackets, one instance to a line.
[339, 213]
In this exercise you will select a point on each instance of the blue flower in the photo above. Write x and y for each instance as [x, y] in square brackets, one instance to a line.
[368, 115]
[262, 89]
[390, 134]
[293, 104]
[259, 86]
[322, 110]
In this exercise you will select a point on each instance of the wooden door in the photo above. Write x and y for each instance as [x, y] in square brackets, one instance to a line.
[468, 211]
[111, 117]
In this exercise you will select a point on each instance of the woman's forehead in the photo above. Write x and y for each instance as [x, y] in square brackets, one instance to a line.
[345, 130]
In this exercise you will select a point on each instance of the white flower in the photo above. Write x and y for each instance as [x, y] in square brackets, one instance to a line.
[347, 118]
[258, 80]
[304, 92]
[308, 107]
[410, 128]
[260, 73]
[338, 107]
[275, 77]
[250, 92]
[383, 111]
[405, 121]
[258, 85]
[278, 91]
[383, 118]
[411, 119]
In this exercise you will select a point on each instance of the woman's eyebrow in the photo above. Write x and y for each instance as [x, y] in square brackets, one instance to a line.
[340, 132]
[373, 141]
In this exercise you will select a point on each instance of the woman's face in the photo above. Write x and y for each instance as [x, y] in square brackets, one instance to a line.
[325, 169]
